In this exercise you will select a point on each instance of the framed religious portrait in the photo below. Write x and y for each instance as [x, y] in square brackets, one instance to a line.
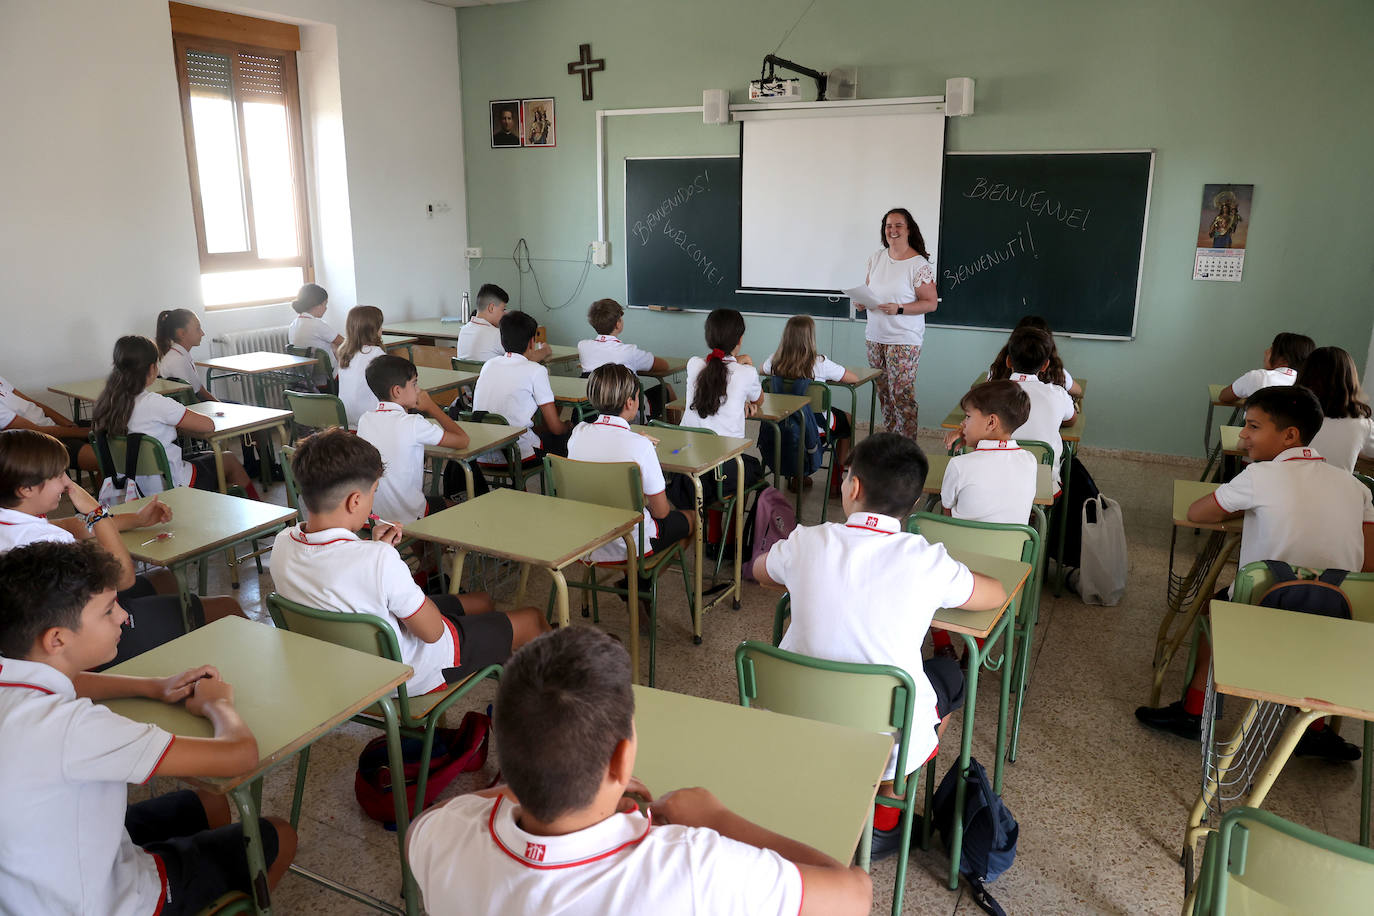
[537, 122]
[505, 124]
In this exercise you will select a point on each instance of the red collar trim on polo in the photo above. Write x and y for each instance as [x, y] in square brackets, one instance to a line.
[1299, 453]
[59, 684]
[607, 419]
[179, 348]
[997, 445]
[608, 338]
[301, 536]
[389, 407]
[519, 356]
[873, 521]
[1024, 377]
[478, 319]
[532, 856]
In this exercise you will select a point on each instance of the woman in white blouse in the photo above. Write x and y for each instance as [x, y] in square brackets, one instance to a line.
[902, 276]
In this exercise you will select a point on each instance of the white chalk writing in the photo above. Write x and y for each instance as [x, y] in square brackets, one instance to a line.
[643, 228]
[1018, 245]
[1037, 201]
[679, 237]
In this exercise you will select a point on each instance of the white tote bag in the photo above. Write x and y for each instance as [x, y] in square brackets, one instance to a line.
[1103, 566]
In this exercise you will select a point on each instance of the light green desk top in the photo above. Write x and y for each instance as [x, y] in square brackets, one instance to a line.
[1044, 479]
[568, 389]
[561, 354]
[780, 406]
[234, 419]
[90, 390]
[425, 327]
[1011, 573]
[482, 438]
[808, 780]
[1296, 659]
[525, 527]
[391, 341]
[1214, 394]
[202, 520]
[676, 364]
[681, 451]
[289, 689]
[866, 374]
[1230, 440]
[1187, 492]
[256, 362]
[433, 380]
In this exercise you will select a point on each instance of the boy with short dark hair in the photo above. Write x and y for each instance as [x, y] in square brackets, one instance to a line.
[565, 836]
[401, 436]
[865, 591]
[69, 840]
[1028, 354]
[1298, 509]
[607, 318]
[480, 339]
[322, 563]
[996, 481]
[516, 387]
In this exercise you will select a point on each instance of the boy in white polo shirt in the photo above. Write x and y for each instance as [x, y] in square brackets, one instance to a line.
[607, 318]
[1282, 362]
[516, 387]
[996, 481]
[19, 411]
[865, 591]
[1298, 509]
[568, 833]
[69, 840]
[1028, 354]
[480, 339]
[401, 437]
[322, 563]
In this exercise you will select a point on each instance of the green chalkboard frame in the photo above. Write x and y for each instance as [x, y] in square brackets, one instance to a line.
[1066, 314]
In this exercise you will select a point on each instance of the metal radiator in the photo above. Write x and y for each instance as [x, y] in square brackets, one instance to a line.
[253, 340]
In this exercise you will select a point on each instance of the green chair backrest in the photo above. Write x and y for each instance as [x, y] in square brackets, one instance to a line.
[318, 411]
[1255, 579]
[1041, 450]
[324, 360]
[152, 458]
[467, 365]
[819, 392]
[1266, 864]
[875, 698]
[293, 492]
[610, 483]
[1010, 542]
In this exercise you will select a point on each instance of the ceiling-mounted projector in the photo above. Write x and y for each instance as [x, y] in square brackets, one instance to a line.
[774, 89]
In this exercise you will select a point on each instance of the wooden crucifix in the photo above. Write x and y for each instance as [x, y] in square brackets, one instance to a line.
[585, 66]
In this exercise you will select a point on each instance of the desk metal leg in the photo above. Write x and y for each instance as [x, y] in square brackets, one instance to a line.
[1366, 770]
[698, 605]
[1201, 582]
[455, 576]
[632, 579]
[739, 529]
[184, 592]
[245, 800]
[1004, 699]
[1031, 617]
[1070, 449]
[560, 584]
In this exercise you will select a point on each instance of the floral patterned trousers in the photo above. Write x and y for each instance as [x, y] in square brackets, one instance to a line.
[897, 385]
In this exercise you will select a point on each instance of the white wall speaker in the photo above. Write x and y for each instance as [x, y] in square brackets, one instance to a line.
[715, 105]
[958, 97]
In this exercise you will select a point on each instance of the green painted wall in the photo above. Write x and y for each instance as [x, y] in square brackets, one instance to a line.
[1272, 93]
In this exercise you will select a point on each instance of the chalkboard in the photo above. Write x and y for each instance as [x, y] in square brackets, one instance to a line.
[682, 240]
[1059, 235]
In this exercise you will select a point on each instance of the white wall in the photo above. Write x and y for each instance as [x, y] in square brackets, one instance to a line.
[96, 234]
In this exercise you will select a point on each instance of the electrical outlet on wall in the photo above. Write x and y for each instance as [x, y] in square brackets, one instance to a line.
[472, 252]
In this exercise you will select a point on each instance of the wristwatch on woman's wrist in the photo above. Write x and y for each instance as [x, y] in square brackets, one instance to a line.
[901, 310]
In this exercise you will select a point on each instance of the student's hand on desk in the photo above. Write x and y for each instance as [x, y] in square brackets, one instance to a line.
[542, 351]
[154, 512]
[386, 532]
[695, 807]
[653, 439]
[206, 691]
[178, 687]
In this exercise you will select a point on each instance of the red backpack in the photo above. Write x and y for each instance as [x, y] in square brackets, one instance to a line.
[456, 750]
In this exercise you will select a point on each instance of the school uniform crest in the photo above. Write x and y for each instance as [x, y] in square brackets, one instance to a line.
[534, 852]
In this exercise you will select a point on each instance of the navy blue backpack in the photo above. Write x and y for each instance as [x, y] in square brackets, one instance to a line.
[803, 422]
[990, 831]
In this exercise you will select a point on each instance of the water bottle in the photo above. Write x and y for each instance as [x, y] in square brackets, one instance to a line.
[465, 312]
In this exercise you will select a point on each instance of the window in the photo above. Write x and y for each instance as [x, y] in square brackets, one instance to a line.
[240, 108]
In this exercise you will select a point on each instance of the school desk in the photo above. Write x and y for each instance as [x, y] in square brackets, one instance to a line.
[535, 530]
[808, 780]
[290, 689]
[81, 392]
[257, 366]
[482, 438]
[1212, 452]
[774, 409]
[682, 451]
[676, 366]
[434, 380]
[393, 342]
[988, 626]
[866, 376]
[1320, 665]
[203, 523]
[1188, 594]
[429, 331]
[234, 420]
[571, 390]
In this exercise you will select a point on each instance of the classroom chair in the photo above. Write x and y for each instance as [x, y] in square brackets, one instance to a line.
[1012, 542]
[819, 392]
[293, 493]
[1259, 863]
[616, 484]
[515, 473]
[409, 716]
[322, 358]
[315, 411]
[433, 357]
[466, 365]
[876, 698]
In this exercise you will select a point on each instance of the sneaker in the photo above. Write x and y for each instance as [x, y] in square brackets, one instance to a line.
[1325, 744]
[1173, 719]
[946, 652]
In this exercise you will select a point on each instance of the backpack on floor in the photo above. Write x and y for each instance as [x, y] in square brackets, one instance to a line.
[772, 520]
[801, 423]
[990, 831]
[1322, 595]
[1082, 488]
[1103, 563]
[456, 750]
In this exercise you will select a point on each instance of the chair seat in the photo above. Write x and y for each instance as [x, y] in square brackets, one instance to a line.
[653, 560]
[423, 703]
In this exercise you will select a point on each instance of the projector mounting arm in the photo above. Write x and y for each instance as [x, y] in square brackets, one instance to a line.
[766, 72]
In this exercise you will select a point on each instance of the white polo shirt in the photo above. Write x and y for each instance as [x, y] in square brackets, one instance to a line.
[515, 388]
[65, 768]
[335, 570]
[896, 281]
[824, 370]
[604, 349]
[743, 385]
[19, 528]
[865, 591]
[993, 483]
[1068, 378]
[1301, 510]
[308, 331]
[1343, 440]
[1050, 407]
[177, 363]
[157, 415]
[401, 438]
[357, 398]
[471, 857]
[12, 405]
[1256, 379]
[611, 439]
[479, 339]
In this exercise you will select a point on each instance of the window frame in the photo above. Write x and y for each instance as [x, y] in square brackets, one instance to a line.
[223, 262]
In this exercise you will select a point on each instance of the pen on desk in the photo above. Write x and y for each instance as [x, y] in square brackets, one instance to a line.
[675, 451]
[160, 536]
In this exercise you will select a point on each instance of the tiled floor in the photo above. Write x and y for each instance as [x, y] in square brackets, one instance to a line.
[1102, 803]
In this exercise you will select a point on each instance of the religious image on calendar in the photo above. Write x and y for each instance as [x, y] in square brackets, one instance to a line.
[1223, 228]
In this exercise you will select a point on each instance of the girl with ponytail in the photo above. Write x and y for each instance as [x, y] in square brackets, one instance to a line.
[723, 388]
[178, 332]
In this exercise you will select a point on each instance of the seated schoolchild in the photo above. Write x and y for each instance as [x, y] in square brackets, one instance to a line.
[995, 482]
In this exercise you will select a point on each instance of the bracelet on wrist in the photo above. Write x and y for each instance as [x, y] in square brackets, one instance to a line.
[99, 514]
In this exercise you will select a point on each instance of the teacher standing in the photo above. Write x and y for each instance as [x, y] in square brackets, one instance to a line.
[901, 277]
